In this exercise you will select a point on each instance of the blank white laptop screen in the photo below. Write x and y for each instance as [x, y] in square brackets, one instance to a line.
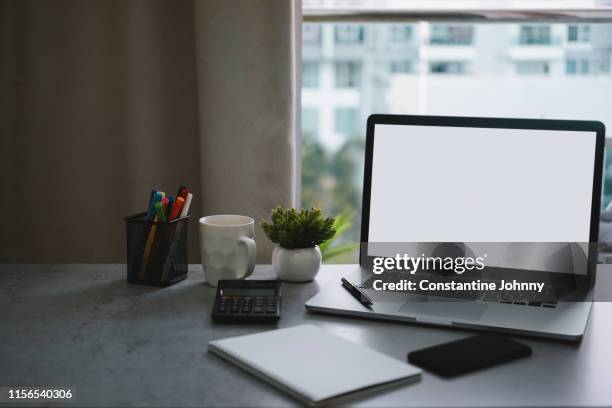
[459, 184]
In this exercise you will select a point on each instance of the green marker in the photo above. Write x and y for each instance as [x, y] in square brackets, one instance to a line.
[159, 211]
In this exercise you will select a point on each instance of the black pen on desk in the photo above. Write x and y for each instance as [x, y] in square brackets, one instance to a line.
[357, 293]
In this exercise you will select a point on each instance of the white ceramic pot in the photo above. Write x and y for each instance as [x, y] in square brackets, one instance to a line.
[296, 265]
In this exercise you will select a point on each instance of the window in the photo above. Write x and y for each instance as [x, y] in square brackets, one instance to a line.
[578, 33]
[347, 74]
[532, 67]
[535, 35]
[310, 74]
[400, 33]
[447, 67]
[584, 66]
[311, 34]
[496, 78]
[451, 35]
[400, 67]
[346, 121]
[577, 67]
[310, 123]
[348, 34]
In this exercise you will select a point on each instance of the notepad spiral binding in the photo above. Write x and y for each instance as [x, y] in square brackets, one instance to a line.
[156, 251]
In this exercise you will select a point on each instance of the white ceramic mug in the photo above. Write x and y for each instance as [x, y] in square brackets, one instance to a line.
[227, 247]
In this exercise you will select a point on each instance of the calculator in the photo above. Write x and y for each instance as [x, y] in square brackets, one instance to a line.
[247, 301]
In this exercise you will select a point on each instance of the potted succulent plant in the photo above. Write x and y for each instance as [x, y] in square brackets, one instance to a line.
[297, 256]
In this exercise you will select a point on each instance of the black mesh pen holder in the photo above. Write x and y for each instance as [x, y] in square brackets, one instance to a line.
[156, 251]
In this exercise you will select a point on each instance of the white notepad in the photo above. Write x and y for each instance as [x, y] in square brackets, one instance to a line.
[311, 363]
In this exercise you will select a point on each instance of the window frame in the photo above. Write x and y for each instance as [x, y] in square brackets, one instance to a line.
[351, 67]
[537, 35]
[348, 38]
[525, 67]
[462, 13]
[312, 68]
[458, 67]
[582, 32]
[452, 35]
[462, 10]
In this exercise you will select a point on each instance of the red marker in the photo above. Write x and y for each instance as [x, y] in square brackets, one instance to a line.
[176, 208]
[165, 202]
[183, 191]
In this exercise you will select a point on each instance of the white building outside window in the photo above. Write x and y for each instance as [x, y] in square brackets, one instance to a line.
[532, 69]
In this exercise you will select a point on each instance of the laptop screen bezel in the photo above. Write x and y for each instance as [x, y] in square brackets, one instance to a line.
[499, 123]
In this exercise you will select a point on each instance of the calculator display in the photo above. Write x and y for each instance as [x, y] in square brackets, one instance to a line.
[248, 292]
[249, 301]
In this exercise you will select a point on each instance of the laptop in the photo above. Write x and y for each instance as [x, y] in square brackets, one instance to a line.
[523, 194]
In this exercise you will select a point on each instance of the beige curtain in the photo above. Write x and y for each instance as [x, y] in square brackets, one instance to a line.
[104, 100]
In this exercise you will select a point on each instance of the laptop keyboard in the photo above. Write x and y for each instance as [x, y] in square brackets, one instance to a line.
[546, 299]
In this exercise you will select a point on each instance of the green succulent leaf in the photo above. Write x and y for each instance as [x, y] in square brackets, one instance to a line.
[294, 229]
[332, 248]
[341, 249]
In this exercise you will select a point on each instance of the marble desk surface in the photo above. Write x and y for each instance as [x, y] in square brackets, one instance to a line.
[112, 343]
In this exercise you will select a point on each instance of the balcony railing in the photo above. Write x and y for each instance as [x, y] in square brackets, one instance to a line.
[553, 41]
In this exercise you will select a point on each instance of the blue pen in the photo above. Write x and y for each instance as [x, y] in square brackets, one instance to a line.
[150, 207]
[157, 197]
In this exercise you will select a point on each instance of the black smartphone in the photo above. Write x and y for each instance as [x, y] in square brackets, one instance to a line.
[470, 354]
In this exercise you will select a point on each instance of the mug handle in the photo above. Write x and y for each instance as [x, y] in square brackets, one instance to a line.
[251, 252]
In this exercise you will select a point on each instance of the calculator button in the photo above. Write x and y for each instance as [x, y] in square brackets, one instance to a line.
[258, 310]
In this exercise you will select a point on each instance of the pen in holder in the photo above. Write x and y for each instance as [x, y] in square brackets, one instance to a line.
[156, 251]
